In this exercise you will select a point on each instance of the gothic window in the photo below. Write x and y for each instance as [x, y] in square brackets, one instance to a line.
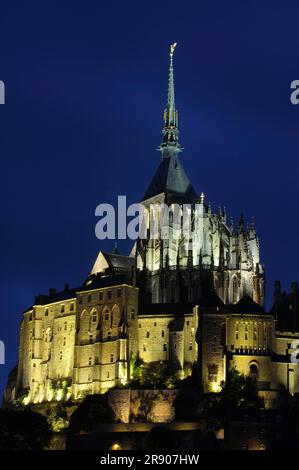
[235, 290]
[253, 371]
[106, 313]
[94, 317]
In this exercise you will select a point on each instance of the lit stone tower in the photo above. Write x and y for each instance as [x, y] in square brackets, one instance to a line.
[215, 257]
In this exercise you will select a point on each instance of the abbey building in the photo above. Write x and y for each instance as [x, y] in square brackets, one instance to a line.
[196, 300]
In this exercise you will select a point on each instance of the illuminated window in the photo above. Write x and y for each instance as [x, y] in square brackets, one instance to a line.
[212, 372]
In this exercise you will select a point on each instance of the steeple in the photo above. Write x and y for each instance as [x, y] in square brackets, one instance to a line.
[170, 178]
[170, 130]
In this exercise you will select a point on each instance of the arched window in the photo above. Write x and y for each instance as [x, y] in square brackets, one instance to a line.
[235, 290]
[253, 371]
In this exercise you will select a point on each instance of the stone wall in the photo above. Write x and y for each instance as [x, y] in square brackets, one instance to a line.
[155, 406]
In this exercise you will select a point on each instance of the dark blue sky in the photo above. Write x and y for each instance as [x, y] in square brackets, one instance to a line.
[86, 85]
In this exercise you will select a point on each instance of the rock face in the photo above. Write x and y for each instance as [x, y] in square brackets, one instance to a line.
[155, 406]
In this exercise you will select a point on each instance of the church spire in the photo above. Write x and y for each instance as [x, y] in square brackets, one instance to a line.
[170, 130]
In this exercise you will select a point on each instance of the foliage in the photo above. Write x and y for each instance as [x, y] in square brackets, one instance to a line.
[23, 430]
[57, 416]
[157, 375]
[135, 368]
[238, 393]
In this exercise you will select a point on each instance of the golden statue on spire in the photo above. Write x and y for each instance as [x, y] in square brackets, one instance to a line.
[172, 49]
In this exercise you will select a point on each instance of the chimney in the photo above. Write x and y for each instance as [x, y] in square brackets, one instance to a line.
[66, 287]
[277, 292]
[52, 291]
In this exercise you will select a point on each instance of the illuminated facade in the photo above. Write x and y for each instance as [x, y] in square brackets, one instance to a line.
[180, 300]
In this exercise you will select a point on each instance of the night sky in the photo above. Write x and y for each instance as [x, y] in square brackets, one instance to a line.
[86, 85]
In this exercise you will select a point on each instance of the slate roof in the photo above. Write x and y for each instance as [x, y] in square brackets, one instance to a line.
[171, 178]
[247, 305]
[119, 262]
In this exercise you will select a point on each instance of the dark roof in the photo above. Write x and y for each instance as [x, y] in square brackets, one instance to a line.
[119, 261]
[171, 178]
[247, 306]
[165, 309]
[97, 281]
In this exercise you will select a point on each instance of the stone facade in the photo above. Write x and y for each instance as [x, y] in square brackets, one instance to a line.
[184, 300]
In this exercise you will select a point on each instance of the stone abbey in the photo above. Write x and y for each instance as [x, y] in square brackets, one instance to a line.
[189, 301]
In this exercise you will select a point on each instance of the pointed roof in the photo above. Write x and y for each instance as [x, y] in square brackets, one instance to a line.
[170, 177]
[247, 305]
